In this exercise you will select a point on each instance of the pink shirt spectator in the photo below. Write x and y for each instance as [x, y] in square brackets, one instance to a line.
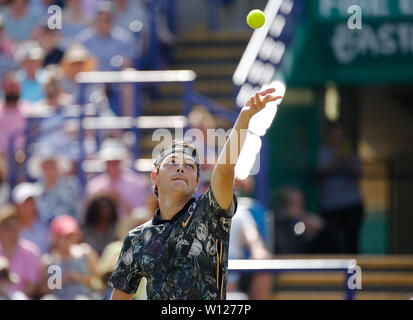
[131, 187]
[11, 120]
[25, 262]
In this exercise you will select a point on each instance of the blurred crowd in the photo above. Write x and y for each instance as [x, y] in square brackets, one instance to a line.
[47, 217]
[56, 233]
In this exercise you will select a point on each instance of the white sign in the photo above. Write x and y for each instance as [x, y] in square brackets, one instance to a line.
[386, 40]
[370, 8]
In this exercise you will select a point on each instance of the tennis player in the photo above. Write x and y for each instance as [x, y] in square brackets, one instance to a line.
[183, 250]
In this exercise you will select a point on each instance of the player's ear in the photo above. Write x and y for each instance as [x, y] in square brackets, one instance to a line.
[154, 176]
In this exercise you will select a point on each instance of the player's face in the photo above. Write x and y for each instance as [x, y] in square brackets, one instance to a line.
[178, 173]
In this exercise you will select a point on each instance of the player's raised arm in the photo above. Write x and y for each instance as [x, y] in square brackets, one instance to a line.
[222, 180]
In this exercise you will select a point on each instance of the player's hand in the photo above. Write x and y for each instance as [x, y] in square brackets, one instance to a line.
[258, 102]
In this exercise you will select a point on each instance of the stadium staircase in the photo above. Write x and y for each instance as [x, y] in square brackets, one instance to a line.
[213, 57]
[383, 278]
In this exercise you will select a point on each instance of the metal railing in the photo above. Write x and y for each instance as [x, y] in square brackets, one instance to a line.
[184, 77]
[85, 120]
[278, 265]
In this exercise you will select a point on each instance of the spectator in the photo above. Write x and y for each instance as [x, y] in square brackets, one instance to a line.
[32, 228]
[296, 229]
[128, 189]
[73, 19]
[100, 221]
[7, 279]
[131, 14]
[54, 130]
[134, 17]
[76, 59]
[108, 259]
[7, 51]
[263, 217]
[19, 21]
[23, 255]
[114, 47]
[77, 261]
[31, 76]
[245, 238]
[339, 169]
[50, 41]
[11, 113]
[61, 191]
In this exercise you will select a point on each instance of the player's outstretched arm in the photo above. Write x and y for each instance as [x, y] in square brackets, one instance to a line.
[222, 180]
[120, 295]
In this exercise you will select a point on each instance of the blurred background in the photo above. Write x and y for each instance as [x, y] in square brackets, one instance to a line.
[335, 167]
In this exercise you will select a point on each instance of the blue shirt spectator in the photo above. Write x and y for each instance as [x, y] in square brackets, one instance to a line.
[31, 89]
[113, 46]
[31, 76]
[20, 20]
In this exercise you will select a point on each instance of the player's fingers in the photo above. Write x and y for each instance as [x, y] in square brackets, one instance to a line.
[267, 91]
[251, 102]
[266, 99]
[275, 98]
[258, 101]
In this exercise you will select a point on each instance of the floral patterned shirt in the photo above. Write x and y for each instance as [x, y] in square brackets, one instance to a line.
[182, 258]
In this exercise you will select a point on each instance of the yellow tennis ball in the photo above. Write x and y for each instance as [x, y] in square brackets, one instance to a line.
[256, 18]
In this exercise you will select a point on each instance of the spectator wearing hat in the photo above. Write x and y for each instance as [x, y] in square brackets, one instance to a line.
[19, 21]
[12, 117]
[30, 56]
[7, 279]
[127, 188]
[61, 191]
[23, 255]
[32, 228]
[77, 261]
[76, 59]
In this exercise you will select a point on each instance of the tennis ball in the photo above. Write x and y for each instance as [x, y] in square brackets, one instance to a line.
[256, 18]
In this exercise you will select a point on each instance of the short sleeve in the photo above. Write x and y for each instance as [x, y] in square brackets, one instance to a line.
[126, 277]
[219, 218]
[216, 209]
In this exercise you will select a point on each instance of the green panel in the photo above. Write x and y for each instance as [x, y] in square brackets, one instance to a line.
[294, 139]
[380, 53]
[336, 10]
[374, 233]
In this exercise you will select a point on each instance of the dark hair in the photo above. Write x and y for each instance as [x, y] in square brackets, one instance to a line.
[92, 215]
[174, 144]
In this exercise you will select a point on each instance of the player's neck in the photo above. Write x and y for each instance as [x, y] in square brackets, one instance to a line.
[170, 205]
